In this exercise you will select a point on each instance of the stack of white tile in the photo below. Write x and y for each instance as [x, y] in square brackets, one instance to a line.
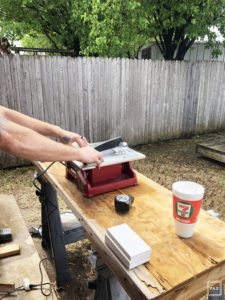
[127, 245]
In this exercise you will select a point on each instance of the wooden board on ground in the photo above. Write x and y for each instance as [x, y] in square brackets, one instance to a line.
[7, 287]
[179, 268]
[10, 249]
[14, 269]
[214, 149]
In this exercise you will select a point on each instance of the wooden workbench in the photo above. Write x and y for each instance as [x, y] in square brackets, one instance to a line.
[178, 269]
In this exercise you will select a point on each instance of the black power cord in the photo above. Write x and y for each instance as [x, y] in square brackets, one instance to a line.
[40, 175]
[41, 194]
[31, 286]
[41, 285]
[46, 283]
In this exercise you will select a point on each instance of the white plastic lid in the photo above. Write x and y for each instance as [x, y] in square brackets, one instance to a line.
[188, 190]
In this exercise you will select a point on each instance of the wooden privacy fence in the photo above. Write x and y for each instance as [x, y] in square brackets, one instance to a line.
[141, 100]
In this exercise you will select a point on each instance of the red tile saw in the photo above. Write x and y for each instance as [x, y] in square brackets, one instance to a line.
[115, 172]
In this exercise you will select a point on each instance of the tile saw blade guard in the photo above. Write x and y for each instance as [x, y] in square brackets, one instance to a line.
[115, 172]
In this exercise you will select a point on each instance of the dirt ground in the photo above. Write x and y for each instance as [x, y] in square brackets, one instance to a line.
[166, 162]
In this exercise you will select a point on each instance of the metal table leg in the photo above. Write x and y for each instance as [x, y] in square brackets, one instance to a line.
[106, 286]
[52, 234]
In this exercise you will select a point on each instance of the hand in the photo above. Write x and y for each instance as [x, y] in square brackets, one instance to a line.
[69, 137]
[89, 155]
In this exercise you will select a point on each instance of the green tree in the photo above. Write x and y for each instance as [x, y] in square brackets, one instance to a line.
[174, 25]
[118, 28]
[60, 21]
[36, 40]
[114, 28]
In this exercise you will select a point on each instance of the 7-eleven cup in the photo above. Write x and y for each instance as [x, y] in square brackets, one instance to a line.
[187, 199]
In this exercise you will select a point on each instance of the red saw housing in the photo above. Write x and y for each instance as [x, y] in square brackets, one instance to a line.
[94, 181]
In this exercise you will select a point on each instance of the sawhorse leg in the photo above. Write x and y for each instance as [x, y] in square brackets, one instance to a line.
[106, 286]
[52, 234]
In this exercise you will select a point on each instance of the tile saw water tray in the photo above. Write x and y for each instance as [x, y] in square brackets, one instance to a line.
[115, 172]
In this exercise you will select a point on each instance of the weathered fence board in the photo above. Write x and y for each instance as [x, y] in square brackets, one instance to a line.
[141, 100]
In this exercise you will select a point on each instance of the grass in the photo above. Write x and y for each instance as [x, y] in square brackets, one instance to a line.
[168, 173]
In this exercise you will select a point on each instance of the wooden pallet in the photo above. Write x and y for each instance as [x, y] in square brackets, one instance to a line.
[214, 149]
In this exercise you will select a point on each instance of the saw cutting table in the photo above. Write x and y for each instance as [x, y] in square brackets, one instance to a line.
[179, 268]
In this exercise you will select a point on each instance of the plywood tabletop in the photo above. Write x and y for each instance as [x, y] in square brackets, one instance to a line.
[178, 268]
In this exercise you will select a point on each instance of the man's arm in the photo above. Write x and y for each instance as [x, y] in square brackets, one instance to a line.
[26, 143]
[41, 127]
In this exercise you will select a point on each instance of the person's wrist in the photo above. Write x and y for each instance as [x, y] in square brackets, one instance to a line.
[60, 133]
[78, 153]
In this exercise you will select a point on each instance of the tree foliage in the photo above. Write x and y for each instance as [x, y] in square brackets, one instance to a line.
[174, 25]
[113, 27]
[117, 28]
[60, 21]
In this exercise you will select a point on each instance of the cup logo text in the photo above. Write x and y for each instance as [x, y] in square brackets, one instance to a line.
[186, 211]
[183, 209]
